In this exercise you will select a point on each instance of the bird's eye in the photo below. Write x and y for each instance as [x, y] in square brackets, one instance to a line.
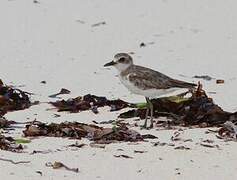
[122, 60]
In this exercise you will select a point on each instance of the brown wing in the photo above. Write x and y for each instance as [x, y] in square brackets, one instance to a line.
[182, 84]
[146, 78]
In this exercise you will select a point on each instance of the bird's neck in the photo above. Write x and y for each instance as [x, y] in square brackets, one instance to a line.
[122, 67]
[125, 71]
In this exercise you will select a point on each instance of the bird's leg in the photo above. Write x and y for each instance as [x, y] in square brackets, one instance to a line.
[151, 108]
[147, 112]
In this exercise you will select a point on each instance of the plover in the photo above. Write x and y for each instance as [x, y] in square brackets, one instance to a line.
[146, 82]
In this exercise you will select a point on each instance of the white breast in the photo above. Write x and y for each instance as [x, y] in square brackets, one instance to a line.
[152, 93]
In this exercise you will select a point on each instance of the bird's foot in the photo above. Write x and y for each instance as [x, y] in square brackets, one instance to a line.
[147, 128]
[151, 126]
[144, 126]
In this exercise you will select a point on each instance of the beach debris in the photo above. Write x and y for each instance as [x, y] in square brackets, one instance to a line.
[199, 110]
[14, 162]
[139, 151]
[123, 156]
[212, 92]
[62, 91]
[182, 148]
[106, 122]
[77, 145]
[56, 115]
[149, 136]
[5, 123]
[139, 171]
[162, 144]
[205, 77]
[78, 130]
[59, 165]
[8, 144]
[220, 81]
[98, 24]
[39, 172]
[43, 82]
[36, 2]
[96, 145]
[142, 44]
[177, 173]
[176, 136]
[94, 109]
[210, 141]
[89, 102]
[120, 149]
[40, 152]
[80, 21]
[210, 145]
[159, 143]
[228, 131]
[187, 140]
[12, 99]
[211, 131]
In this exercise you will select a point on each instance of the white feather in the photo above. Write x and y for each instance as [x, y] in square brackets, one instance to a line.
[152, 93]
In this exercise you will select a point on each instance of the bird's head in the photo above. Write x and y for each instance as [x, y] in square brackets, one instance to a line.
[121, 61]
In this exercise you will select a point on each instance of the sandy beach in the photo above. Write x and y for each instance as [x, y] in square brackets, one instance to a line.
[67, 42]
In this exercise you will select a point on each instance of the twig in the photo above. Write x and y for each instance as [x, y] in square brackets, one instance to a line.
[98, 24]
[14, 162]
[57, 165]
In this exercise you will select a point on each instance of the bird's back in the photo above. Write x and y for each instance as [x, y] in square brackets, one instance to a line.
[146, 78]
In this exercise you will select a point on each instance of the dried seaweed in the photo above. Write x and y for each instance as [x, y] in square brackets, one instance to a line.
[199, 109]
[89, 102]
[5, 123]
[77, 130]
[8, 144]
[228, 131]
[12, 99]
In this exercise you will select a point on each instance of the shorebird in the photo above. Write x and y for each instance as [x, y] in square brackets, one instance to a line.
[146, 82]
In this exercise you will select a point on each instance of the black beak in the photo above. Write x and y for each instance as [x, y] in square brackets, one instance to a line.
[110, 64]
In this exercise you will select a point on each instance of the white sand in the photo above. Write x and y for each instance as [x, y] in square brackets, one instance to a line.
[46, 41]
